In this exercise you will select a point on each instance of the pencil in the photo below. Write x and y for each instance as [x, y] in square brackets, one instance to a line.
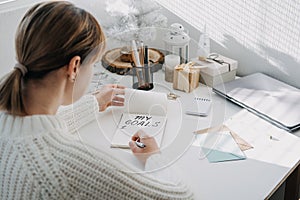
[142, 53]
[136, 54]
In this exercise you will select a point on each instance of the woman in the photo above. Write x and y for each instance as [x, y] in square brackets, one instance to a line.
[57, 45]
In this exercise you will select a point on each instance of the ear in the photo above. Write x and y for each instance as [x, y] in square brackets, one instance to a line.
[73, 68]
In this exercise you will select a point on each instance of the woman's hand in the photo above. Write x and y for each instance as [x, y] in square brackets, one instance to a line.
[108, 95]
[150, 146]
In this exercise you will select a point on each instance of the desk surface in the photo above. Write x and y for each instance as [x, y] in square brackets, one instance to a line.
[253, 178]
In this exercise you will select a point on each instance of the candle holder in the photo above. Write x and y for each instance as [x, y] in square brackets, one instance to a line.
[171, 61]
[177, 42]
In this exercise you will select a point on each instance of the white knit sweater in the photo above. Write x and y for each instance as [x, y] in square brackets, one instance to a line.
[40, 160]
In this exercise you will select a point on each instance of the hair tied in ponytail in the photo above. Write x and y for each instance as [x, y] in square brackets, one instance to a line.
[22, 68]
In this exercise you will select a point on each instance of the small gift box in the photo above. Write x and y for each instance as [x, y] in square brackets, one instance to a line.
[186, 77]
[216, 69]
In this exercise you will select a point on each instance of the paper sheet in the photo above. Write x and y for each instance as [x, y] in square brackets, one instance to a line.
[240, 141]
[138, 101]
[284, 151]
[143, 110]
[219, 147]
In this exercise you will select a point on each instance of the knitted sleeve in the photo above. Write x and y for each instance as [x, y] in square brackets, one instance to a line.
[161, 169]
[80, 113]
[93, 174]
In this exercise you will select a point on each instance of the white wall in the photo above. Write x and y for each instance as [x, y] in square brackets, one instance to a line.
[262, 35]
[10, 16]
[281, 63]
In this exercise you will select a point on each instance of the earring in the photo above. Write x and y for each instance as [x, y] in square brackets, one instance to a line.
[73, 78]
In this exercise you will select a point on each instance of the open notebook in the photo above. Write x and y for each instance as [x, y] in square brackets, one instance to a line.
[143, 110]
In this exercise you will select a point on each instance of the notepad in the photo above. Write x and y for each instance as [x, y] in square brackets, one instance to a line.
[198, 106]
[143, 110]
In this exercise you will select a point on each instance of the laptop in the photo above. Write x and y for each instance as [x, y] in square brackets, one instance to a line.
[266, 97]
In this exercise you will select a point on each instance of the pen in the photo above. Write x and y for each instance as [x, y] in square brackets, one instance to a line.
[140, 144]
[147, 66]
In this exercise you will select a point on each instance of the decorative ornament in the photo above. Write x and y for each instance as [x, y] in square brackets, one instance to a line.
[176, 41]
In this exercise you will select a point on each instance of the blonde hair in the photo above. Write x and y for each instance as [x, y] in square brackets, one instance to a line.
[48, 37]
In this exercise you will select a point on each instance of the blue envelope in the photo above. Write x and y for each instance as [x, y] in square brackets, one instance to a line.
[219, 147]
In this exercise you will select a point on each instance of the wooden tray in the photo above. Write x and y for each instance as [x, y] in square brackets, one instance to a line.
[111, 60]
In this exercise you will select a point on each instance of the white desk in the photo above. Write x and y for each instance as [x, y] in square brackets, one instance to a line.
[246, 179]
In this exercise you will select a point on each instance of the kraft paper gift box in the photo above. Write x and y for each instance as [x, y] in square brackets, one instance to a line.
[186, 78]
[213, 73]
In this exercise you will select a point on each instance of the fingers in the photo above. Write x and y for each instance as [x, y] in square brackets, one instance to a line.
[118, 99]
[110, 95]
[138, 135]
[135, 137]
[143, 153]
[116, 86]
[116, 103]
[133, 147]
[113, 89]
[118, 91]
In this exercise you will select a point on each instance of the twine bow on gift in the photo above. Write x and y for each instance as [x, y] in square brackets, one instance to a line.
[186, 67]
[186, 77]
[215, 57]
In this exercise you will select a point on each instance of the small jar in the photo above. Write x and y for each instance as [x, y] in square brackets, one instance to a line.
[171, 61]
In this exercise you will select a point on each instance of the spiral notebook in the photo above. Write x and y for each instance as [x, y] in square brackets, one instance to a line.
[143, 110]
[198, 106]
